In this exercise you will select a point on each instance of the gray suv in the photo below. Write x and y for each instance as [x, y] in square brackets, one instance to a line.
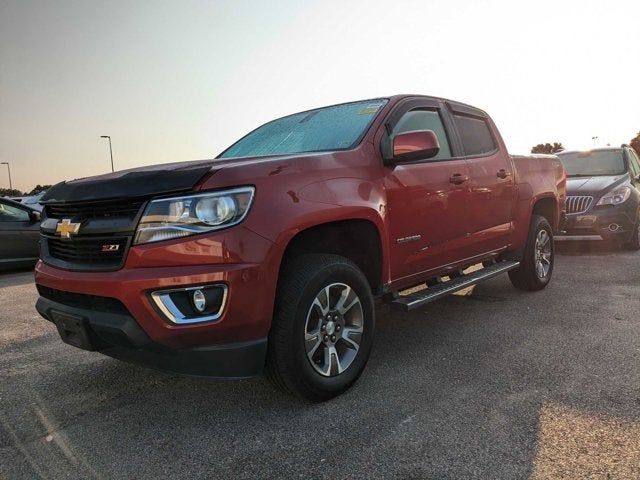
[603, 196]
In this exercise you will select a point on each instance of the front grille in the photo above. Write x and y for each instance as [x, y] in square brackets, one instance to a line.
[578, 204]
[103, 252]
[102, 241]
[94, 210]
[82, 300]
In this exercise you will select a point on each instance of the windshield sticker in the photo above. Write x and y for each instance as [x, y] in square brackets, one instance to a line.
[370, 109]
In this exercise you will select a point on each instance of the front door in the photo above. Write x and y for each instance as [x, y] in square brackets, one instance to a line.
[427, 201]
[19, 234]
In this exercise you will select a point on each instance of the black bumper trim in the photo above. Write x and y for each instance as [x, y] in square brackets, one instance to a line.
[118, 335]
[229, 361]
[596, 221]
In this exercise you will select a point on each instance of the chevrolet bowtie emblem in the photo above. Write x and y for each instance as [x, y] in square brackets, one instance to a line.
[65, 228]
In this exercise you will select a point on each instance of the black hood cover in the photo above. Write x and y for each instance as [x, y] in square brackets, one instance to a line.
[136, 182]
[595, 185]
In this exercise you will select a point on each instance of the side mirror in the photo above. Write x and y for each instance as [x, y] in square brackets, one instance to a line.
[34, 216]
[416, 145]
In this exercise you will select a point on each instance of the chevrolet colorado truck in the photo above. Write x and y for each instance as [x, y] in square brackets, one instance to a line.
[268, 258]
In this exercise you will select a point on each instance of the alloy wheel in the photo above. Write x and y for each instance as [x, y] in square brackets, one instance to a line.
[333, 329]
[543, 253]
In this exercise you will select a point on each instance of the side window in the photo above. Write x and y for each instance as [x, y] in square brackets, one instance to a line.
[425, 120]
[475, 133]
[9, 213]
[634, 163]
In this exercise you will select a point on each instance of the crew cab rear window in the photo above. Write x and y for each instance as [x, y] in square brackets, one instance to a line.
[425, 120]
[475, 135]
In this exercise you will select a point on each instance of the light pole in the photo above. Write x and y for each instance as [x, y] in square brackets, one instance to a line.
[110, 150]
[9, 170]
[595, 140]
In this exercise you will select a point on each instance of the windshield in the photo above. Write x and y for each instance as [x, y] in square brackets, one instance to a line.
[34, 199]
[339, 127]
[590, 164]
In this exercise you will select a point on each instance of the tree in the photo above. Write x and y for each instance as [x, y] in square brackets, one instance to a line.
[39, 188]
[10, 192]
[548, 148]
[635, 143]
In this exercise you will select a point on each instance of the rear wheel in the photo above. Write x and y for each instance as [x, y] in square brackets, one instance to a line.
[322, 329]
[536, 267]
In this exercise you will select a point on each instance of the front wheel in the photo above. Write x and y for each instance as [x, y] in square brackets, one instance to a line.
[322, 329]
[536, 267]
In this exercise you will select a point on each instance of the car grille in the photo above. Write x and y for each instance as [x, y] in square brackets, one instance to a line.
[98, 252]
[102, 242]
[578, 204]
[94, 210]
[81, 300]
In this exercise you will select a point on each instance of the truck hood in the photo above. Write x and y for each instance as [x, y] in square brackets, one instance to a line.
[595, 186]
[148, 181]
[135, 182]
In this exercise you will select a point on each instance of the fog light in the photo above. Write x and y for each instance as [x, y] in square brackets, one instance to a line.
[204, 303]
[199, 301]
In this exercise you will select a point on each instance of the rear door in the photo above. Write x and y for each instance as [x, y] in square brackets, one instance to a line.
[19, 234]
[491, 171]
[427, 200]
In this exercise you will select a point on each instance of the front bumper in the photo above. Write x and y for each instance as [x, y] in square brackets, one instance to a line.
[230, 345]
[611, 223]
[117, 334]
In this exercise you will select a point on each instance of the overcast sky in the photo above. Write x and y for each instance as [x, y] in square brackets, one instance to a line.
[181, 80]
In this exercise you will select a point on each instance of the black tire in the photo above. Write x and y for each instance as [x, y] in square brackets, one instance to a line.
[288, 366]
[634, 241]
[526, 277]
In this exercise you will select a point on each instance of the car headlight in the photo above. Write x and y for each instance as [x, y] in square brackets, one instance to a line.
[167, 218]
[616, 196]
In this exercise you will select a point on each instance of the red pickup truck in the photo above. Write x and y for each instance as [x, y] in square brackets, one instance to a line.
[268, 258]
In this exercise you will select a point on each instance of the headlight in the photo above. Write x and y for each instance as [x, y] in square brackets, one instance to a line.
[616, 196]
[176, 217]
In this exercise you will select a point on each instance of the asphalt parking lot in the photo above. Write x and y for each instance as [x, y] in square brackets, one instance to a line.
[494, 384]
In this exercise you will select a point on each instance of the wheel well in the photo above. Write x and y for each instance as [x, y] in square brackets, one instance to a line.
[357, 240]
[547, 207]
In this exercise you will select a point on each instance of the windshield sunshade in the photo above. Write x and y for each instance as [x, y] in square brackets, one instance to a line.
[339, 127]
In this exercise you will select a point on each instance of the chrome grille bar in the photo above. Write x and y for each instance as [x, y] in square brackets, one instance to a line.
[576, 204]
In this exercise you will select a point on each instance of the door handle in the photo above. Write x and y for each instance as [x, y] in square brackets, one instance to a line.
[458, 178]
[502, 173]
